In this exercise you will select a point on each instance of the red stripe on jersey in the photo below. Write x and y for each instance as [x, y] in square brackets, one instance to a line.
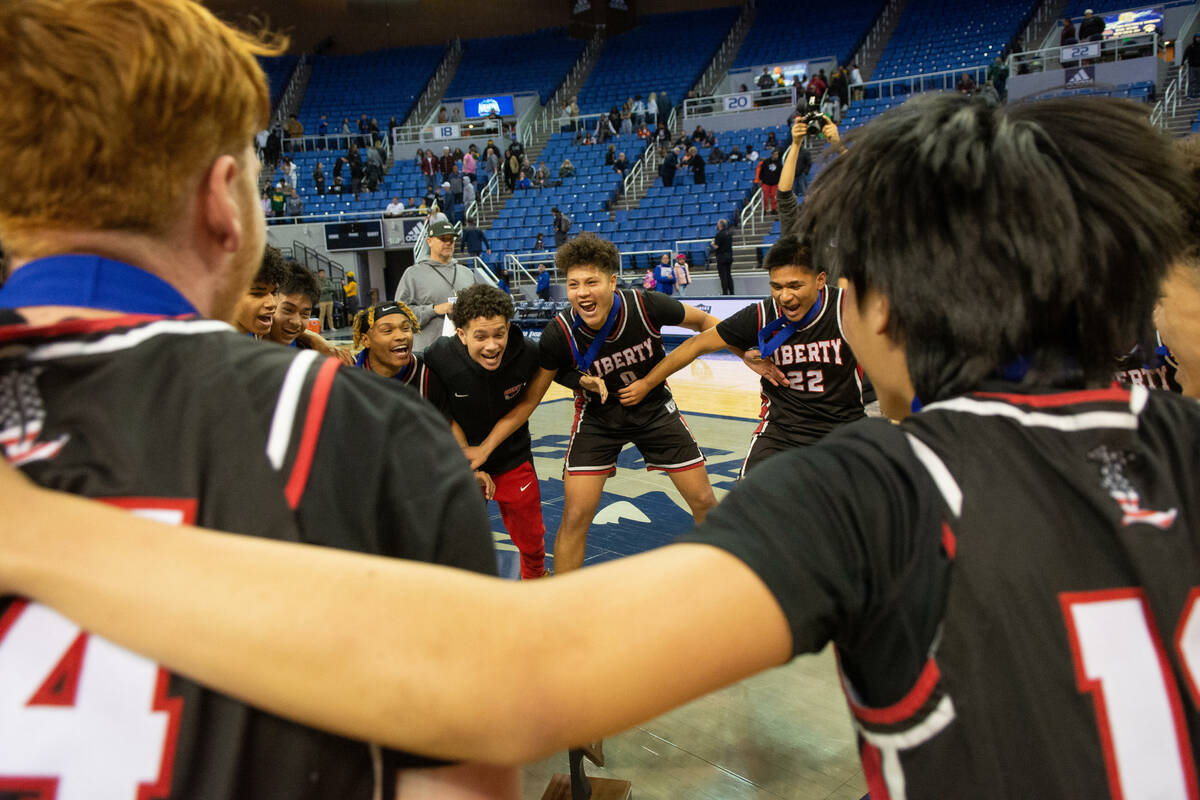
[872, 764]
[318, 400]
[1193, 602]
[1113, 393]
[907, 706]
[949, 542]
[75, 327]
[637, 296]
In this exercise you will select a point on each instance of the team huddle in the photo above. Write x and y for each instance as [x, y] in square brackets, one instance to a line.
[1006, 567]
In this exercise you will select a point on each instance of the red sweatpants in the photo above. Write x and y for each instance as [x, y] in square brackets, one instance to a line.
[520, 503]
[769, 193]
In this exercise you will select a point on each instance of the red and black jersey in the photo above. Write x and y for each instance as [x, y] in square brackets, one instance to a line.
[824, 382]
[186, 421]
[633, 348]
[1012, 583]
[1156, 371]
[417, 375]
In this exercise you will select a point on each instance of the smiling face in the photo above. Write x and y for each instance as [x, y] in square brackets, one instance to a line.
[389, 343]
[255, 312]
[590, 293]
[1177, 317]
[291, 317]
[795, 289]
[486, 339]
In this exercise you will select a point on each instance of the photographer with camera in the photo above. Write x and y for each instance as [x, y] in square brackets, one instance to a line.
[804, 125]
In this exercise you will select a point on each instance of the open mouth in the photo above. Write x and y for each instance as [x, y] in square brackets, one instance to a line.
[400, 351]
[265, 320]
[587, 306]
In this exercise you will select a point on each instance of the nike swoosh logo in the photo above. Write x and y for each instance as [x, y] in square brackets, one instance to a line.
[456, 394]
[526, 486]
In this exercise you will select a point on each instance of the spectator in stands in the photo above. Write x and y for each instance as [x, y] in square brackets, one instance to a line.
[765, 81]
[998, 77]
[446, 201]
[683, 274]
[627, 117]
[562, 227]
[771, 142]
[1068, 35]
[443, 117]
[322, 130]
[279, 199]
[722, 244]
[661, 134]
[523, 182]
[701, 137]
[716, 155]
[394, 208]
[373, 172]
[567, 169]
[427, 165]
[610, 157]
[319, 177]
[1091, 29]
[1191, 57]
[265, 202]
[817, 85]
[491, 158]
[666, 170]
[502, 279]
[475, 240]
[664, 108]
[469, 193]
[664, 277]
[539, 243]
[350, 290]
[803, 168]
[639, 111]
[735, 154]
[652, 110]
[565, 124]
[621, 165]
[695, 162]
[436, 214]
[989, 94]
[752, 155]
[338, 188]
[455, 115]
[839, 87]
[295, 206]
[469, 164]
[445, 162]
[643, 132]
[364, 128]
[614, 118]
[543, 283]
[454, 185]
[325, 300]
[966, 84]
[541, 176]
[856, 83]
[356, 171]
[768, 174]
[648, 282]
[588, 139]
[288, 168]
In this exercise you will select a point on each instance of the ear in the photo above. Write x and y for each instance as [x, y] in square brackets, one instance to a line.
[462, 335]
[220, 204]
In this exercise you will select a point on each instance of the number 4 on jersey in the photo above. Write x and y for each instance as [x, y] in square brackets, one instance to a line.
[80, 718]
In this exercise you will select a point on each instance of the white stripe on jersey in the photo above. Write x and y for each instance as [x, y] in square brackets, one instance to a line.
[125, 339]
[1088, 420]
[285, 407]
[890, 744]
[940, 474]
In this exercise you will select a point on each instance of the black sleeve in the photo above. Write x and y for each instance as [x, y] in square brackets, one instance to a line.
[663, 309]
[846, 535]
[554, 353]
[741, 329]
[569, 377]
[435, 392]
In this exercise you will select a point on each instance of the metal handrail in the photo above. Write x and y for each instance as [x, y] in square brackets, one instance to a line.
[753, 207]
[713, 104]
[1047, 55]
[518, 266]
[641, 169]
[929, 81]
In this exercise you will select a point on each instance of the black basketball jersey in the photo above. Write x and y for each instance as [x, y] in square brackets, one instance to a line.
[1156, 371]
[633, 348]
[1012, 582]
[824, 382]
[185, 421]
[417, 375]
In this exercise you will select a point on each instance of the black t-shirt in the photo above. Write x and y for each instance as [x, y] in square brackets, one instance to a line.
[187, 421]
[724, 244]
[418, 376]
[1007, 578]
[824, 385]
[770, 171]
[478, 398]
[631, 351]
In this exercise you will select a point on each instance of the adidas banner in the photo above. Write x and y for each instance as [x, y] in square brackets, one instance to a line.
[1079, 76]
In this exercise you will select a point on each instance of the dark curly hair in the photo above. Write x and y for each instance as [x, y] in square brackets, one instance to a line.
[789, 251]
[300, 281]
[588, 250]
[274, 269]
[481, 300]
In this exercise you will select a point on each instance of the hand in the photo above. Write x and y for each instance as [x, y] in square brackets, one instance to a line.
[594, 384]
[799, 131]
[830, 132]
[486, 484]
[764, 367]
[634, 393]
[476, 455]
[442, 309]
[343, 354]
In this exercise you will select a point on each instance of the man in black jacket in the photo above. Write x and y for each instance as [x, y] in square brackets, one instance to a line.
[1091, 28]
[668, 166]
[1191, 58]
[485, 369]
[722, 243]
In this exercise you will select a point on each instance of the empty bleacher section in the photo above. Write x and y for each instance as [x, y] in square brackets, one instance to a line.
[664, 53]
[943, 35]
[278, 70]
[785, 30]
[381, 85]
[534, 62]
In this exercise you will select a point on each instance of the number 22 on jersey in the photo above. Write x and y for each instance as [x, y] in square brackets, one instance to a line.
[1120, 660]
[80, 718]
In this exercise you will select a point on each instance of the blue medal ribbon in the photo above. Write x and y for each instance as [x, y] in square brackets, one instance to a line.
[362, 360]
[779, 330]
[88, 281]
[585, 361]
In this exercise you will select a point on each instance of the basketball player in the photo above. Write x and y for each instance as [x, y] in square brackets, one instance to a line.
[815, 385]
[1177, 315]
[485, 369]
[255, 311]
[114, 385]
[298, 295]
[385, 333]
[612, 338]
[1009, 575]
